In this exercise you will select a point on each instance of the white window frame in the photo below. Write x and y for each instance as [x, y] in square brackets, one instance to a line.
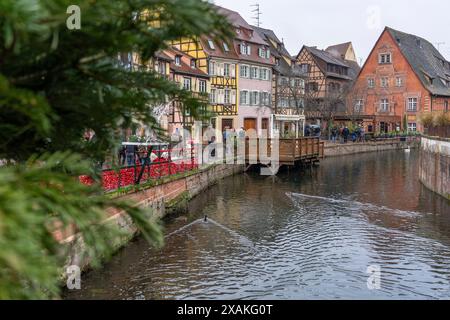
[254, 94]
[245, 49]
[384, 105]
[264, 74]
[371, 83]
[189, 81]
[385, 58]
[260, 52]
[244, 97]
[254, 74]
[412, 104]
[399, 82]
[359, 105]
[213, 96]
[202, 86]
[412, 126]
[225, 47]
[226, 69]
[211, 44]
[227, 96]
[212, 68]
[247, 73]
[383, 83]
[265, 98]
[178, 60]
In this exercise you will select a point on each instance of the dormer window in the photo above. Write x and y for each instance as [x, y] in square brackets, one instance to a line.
[211, 45]
[178, 60]
[262, 52]
[193, 63]
[385, 58]
[225, 47]
[245, 49]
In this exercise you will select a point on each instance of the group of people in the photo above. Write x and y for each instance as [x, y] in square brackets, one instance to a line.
[231, 132]
[130, 153]
[343, 134]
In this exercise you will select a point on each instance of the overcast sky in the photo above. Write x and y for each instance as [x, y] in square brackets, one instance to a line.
[326, 22]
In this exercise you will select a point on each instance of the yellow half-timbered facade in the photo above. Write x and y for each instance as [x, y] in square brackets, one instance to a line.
[219, 60]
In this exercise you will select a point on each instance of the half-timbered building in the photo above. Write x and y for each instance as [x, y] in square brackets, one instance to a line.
[184, 70]
[288, 89]
[220, 61]
[330, 75]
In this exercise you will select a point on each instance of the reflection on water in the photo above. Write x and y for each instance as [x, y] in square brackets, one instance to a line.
[300, 235]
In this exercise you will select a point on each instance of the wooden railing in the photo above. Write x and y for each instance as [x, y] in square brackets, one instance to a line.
[290, 150]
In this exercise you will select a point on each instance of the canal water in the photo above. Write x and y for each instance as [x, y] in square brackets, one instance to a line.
[309, 234]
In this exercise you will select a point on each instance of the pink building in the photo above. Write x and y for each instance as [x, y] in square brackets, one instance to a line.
[254, 74]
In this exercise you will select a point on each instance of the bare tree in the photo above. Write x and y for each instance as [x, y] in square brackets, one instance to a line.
[356, 100]
[289, 94]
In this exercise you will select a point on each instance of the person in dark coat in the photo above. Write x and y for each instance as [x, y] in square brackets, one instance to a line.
[122, 155]
[130, 152]
[346, 133]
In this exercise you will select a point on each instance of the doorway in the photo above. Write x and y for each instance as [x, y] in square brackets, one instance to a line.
[227, 123]
[249, 123]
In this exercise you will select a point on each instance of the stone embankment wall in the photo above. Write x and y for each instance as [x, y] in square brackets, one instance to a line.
[336, 150]
[434, 170]
[162, 199]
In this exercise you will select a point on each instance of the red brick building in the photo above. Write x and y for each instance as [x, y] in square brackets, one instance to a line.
[404, 76]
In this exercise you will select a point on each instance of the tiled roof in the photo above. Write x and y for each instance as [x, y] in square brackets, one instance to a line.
[426, 61]
[341, 49]
[247, 32]
[329, 58]
[185, 66]
[162, 56]
[354, 69]
[271, 35]
[326, 56]
[219, 50]
[279, 52]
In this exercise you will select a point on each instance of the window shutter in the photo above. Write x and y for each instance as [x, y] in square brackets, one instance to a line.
[249, 50]
[268, 53]
[233, 97]
[241, 97]
[232, 70]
